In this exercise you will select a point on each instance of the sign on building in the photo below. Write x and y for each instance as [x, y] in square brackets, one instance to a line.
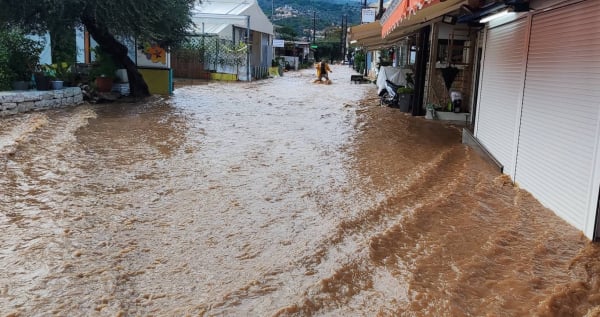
[278, 43]
[368, 15]
[153, 56]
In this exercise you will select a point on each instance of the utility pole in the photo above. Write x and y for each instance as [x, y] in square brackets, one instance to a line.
[248, 48]
[314, 25]
[343, 36]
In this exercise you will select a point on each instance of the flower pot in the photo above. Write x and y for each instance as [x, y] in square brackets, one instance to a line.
[404, 102]
[20, 85]
[104, 84]
[42, 82]
[57, 84]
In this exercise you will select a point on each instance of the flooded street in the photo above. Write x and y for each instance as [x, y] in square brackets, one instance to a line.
[272, 198]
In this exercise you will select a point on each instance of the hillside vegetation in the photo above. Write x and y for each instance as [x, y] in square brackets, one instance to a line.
[328, 13]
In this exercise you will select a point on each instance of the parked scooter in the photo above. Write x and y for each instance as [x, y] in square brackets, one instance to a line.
[389, 95]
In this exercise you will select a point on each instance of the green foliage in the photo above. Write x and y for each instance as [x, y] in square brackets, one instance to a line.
[328, 50]
[60, 71]
[162, 21]
[103, 66]
[280, 61]
[385, 58]
[286, 33]
[62, 41]
[328, 13]
[20, 55]
[332, 34]
[359, 61]
[224, 53]
[5, 72]
[405, 90]
[306, 66]
[191, 50]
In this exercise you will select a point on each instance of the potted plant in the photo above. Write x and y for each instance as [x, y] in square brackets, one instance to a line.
[21, 56]
[405, 94]
[59, 73]
[44, 77]
[103, 70]
[42, 80]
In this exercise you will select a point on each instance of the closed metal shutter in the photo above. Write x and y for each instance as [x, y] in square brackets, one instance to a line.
[502, 90]
[559, 126]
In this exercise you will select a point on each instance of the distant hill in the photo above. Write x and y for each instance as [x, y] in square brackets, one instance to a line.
[298, 14]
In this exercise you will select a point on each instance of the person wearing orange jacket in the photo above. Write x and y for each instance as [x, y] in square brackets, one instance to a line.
[322, 70]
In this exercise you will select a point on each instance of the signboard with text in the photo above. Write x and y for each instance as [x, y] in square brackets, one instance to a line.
[278, 43]
[368, 15]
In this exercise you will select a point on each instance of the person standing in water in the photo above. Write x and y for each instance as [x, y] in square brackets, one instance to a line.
[323, 70]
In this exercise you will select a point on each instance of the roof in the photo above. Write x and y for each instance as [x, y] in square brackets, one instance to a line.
[401, 19]
[234, 7]
[409, 14]
[217, 15]
[367, 35]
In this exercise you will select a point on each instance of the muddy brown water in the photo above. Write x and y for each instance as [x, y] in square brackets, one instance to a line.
[272, 198]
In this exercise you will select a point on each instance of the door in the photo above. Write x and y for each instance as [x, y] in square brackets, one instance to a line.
[558, 139]
[501, 91]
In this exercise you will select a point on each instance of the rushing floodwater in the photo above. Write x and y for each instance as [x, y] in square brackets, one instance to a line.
[272, 198]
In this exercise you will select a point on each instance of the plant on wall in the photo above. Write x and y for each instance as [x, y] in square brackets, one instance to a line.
[5, 72]
[21, 54]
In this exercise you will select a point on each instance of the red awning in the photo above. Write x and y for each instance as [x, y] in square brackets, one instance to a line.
[402, 12]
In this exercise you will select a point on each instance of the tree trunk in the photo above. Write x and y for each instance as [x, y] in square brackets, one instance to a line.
[118, 51]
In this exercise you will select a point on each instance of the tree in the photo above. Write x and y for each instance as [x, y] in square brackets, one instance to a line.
[162, 21]
[332, 33]
[286, 33]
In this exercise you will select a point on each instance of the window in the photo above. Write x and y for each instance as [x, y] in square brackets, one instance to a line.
[451, 52]
[408, 53]
[412, 56]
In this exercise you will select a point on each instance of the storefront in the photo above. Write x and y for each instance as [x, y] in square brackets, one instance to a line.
[538, 112]
[438, 53]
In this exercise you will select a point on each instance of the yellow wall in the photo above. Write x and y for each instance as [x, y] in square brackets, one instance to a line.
[159, 80]
[223, 76]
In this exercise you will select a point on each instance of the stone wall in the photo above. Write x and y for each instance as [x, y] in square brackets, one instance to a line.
[13, 102]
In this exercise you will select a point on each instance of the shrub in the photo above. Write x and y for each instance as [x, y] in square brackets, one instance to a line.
[103, 66]
[405, 90]
[20, 54]
[5, 71]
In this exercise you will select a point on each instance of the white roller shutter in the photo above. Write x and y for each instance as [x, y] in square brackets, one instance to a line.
[502, 90]
[559, 126]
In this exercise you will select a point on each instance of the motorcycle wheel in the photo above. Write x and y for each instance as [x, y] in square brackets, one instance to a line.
[385, 99]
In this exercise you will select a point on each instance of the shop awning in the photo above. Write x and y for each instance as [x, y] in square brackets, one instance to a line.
[409, 13]
[366, 35]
